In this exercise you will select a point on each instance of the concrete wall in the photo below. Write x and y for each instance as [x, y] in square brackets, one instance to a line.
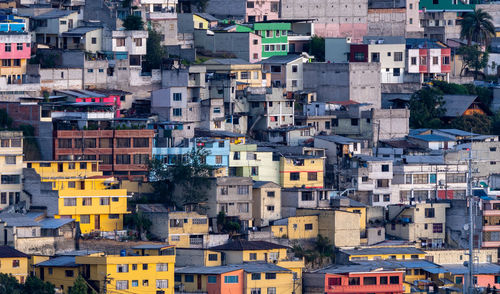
[458, 256]
[47, 246]
[61, 78]
[232, 8]
[386, 22]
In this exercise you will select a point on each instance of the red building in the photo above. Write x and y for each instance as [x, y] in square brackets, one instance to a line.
[124, 150]
[359, 53]
[107, 97]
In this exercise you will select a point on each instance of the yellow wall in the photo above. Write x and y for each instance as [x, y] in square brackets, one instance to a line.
[58, 276]
[186, 219]
[296, 228]
[362, 219]
[200, 23]
[283, 283]
[13, 70]
[11, 169]
[107, 265]
[107, 205]
[20, 272]
[212, 262]
[384, 256]
[310, 165]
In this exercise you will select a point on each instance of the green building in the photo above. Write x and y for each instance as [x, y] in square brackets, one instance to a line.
[274, 36]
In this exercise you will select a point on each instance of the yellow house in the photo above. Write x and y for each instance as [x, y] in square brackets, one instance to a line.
[61, 271]
[11, 167]
[301, 171]
[296, 227]
[150, 271]
[245, 73]
[187, 229]
[248, 278]
[200, 22]
[350, 205]
[14, 262]
[199, 257]
[85, 194]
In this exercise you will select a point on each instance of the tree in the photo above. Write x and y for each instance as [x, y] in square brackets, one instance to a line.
[477, 26]
[34, 285]
[186, 181]
[9, 285]
[426, 108]
[133, 23]
[473, 58]
[226, 226]
[141, 223]
[477, 123]
[5, 119]
[318, 48]
[79, 287]
[154, 52]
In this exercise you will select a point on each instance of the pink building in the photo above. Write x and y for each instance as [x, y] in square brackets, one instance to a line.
[107, 97]
[261, 10]
[15, 50]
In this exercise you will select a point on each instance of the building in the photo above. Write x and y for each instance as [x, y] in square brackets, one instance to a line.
[268, 109]
[248, 12]
[286, 71]
[301, 171]
[15, 50]
[295, 198]
[49, 26]
[11, 166]
[148, 268]
[243, 278]
[296, 227]
[274, 37]
[421, 222]
[183, 229]
[123, 147]
[266, 203]
[390, 52]
[355, 81]
[14, 263]
[112, 98]
[485, 274]
[131, 43]
[88, 39]
[380, 253]
[84, 194]
[430, 60]
[491, 223]
[249, 160]
[245, 74]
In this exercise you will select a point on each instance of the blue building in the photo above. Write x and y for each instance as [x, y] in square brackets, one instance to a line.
[8, 23]
[218, 153]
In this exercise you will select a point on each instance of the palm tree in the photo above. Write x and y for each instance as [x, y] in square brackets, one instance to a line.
[477, 26]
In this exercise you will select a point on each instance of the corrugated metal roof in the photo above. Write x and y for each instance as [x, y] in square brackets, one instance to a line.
[7, 251]
[456, 105]
[482, 268]
[337, 139]
[62, 261]
[52, 223]
[251, 267]
[152, 246]
[240, 245]
[383, 250]
[431, 138]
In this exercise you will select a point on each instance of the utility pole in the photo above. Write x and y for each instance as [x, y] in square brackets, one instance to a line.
[469, 285]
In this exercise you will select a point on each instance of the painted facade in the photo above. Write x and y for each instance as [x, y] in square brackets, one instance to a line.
[11, 167]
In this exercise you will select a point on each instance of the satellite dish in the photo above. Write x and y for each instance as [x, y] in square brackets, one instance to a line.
[466, 227]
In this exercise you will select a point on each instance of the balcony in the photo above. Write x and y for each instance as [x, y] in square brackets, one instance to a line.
[491, 212]
[165, 14]
[365, 289]
[492, 228]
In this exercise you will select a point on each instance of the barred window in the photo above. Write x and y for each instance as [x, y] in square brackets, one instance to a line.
[11, 179]
[122, 159]
[420, 179]
[242, 190]
[141, 158]
[87, 201]
[65, 143]
[69, 201]
[162, 267]
[141, 142]
[123, 142]
[456, 178]
[121, 285]
[199, 221]
[161, 284]
[85, 219]
[90, 143]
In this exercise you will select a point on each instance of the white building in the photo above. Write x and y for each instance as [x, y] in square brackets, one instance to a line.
[390, 52]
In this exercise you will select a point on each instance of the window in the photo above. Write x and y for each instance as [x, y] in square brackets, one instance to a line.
[308, 227]
[375, 57]
[106, 158]
[141, 158]
[123, 142]
[394, 280]
[199, 221]
[459, 280]
[90, 70]
[213, 257]
[231, 280]
[138, 42]
[420, 179]
[387, 197]
[69, 201]
[437, 228]
[122, 284]
[497, 279]
[177, 112]
[255, 291]
[218, 159]
[423, 60]
[87, 201]
[307, 196]
[250, 4]
[106, 142]
[10, 159]
[295, 176]
[177, 96]
[122, 159]
[71, 184]
[369, 280]
[17, 62]
[90, 143]
[398, 56]
[446, 60]
[397, 72]
[383, 183]
[15, 263]
[242, 190]
[176, 223]
[429, 212]
[456, 178]
[385, 167]
[270, 193]
[141, 142]
[15, 143]
[11, 179]
[162, 267]
[243, 207]
[244, 75]
[271, 290]
[270, 208]
[69, 273]
[8, 47]
[376, 198]
[212, 279]
[85, 219]
[122, 268]
[359, 56]
[270, 276]
[253, 256]
[435, 60]
[354, 281]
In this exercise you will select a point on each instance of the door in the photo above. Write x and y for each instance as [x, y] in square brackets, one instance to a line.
[198, 280]
[60, 167]
[97, 222]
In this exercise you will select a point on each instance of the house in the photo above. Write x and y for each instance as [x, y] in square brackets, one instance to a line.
[491, 223]
[198, 257]
[390, 52]
[296, 227]
[432, 142]
[252, 277]
[84, 194]
[149, 267]
[184, 229]
[217, 153]
[130, 43]
[15, 50]
[274, 36]
[294, 198]
[204, 21]
[218, 42]
[421, 222]
[301, 171]
[268, 109]
[249, 160]
[162, 16]
[11, 166]
[286, 71]
[429, 59]
[110, 98]
[288, 135]
[485, 274]
[380, 253]
[14, 263]
[266, 202]
[245, 73]
[123, 146]
[247, 12]
[88, 39]
[419, 177]
[463, 105]
[49, 26]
